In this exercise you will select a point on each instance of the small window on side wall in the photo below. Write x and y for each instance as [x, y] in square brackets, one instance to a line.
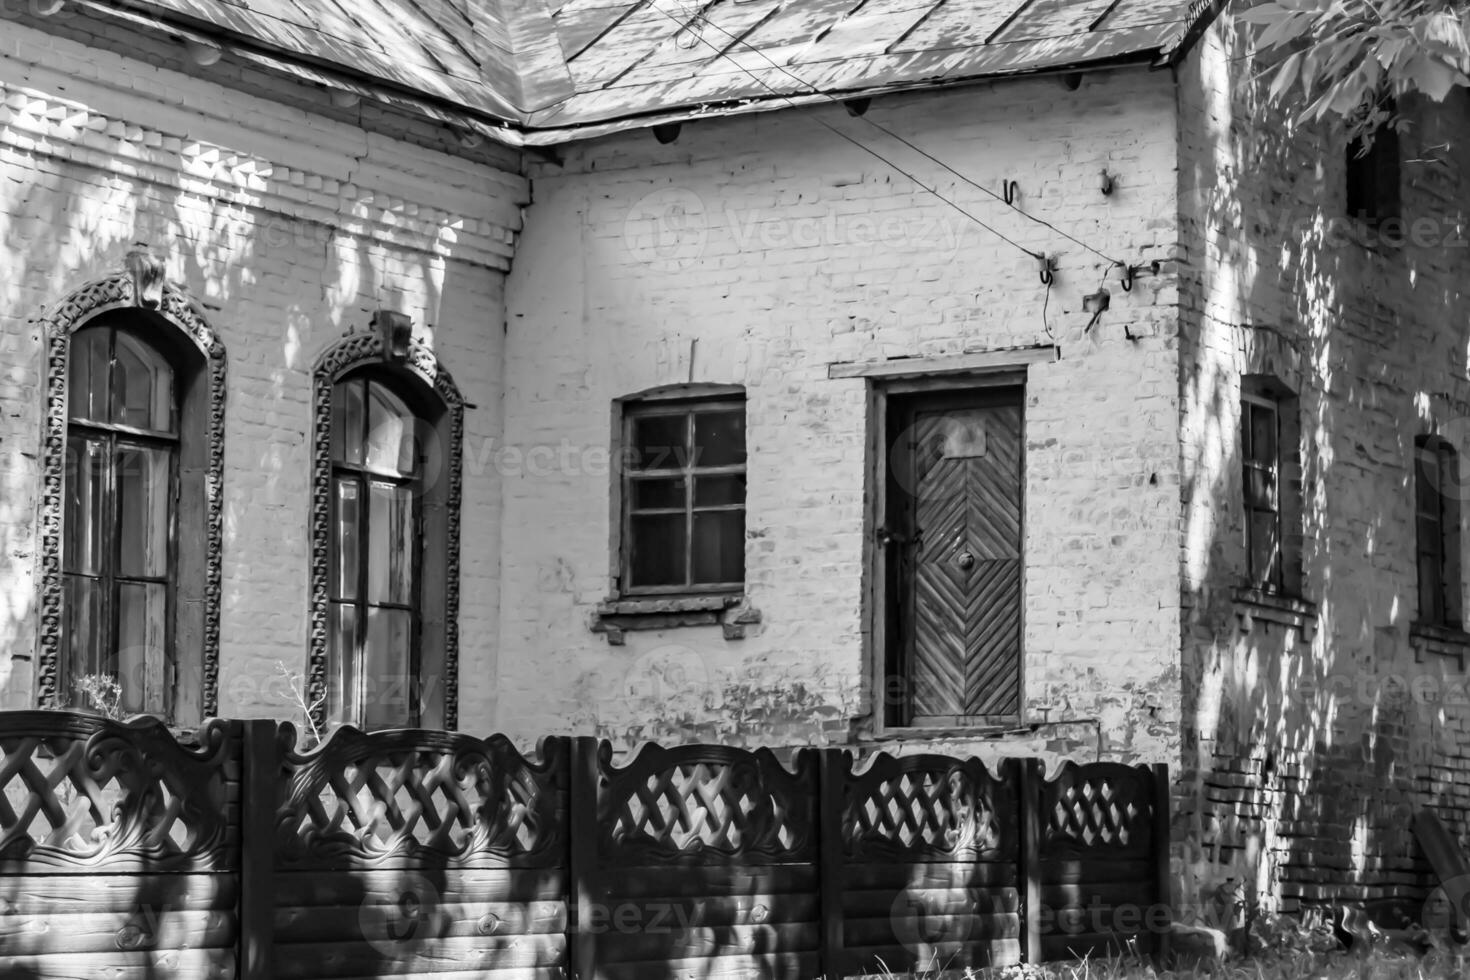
[1271, 482]
[1373, 178]
[1437, 531]
[683, 496]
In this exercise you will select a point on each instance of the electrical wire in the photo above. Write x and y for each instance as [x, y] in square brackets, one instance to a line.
[858, 143]
[885, 130]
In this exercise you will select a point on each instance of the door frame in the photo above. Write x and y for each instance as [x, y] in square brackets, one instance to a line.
[880, 623]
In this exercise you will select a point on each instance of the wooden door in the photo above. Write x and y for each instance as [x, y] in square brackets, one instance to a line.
[953, 541]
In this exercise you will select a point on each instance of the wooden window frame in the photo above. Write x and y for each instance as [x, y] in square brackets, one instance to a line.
[1266, 391]
[1444, 608]
[116, 436]
[686, 401]
[363, 477]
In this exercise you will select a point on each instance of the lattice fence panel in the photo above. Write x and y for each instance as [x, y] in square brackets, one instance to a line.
[376, 797]
[86, 794]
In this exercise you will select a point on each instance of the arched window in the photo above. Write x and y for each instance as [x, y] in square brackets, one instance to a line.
[377, 533]
[122, 447]
[131, 519]
[384, 638]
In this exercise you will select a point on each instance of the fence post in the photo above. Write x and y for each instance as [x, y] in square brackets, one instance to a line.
[1032, 777]
[1160, 855]
[582, 856]
[830, 776]
[260, 769]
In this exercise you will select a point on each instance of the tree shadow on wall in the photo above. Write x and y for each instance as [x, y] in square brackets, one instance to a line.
[1305, 758]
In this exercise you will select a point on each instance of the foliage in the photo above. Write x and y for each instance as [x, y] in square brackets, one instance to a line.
[1352, 58]
[103, 694]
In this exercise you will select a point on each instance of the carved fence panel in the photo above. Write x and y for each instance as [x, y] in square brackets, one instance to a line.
[930, 850]
[118, 849]
[703, 862]
[127, 855]
[421, 853]
[1103, 859]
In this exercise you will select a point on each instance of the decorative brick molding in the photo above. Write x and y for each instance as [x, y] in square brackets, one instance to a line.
[124, 290]
[348, 354]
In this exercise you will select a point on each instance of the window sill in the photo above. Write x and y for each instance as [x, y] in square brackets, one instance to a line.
[733, 613]
[1443, 641]
[1253, 605]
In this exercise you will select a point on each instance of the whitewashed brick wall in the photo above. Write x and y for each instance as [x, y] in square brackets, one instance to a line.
[291, 229]
[1304, 762]
[758, 250]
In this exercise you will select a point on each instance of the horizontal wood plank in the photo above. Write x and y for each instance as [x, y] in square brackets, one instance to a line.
[107, 932]
[60, 894]
[374, 920]
[308, 888]
[705, 942]
[187, 964]
[414, 955]
[766, 966]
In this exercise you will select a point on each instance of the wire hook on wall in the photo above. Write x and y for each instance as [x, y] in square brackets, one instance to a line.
[1048, 269]
[1008, 191]
[1127, 276]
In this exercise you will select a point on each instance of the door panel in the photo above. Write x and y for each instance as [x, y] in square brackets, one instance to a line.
[958, 500]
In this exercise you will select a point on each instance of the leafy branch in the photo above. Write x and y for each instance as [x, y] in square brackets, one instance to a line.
[1353, 58]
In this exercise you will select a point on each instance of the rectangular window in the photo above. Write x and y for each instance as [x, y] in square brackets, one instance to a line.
[1270, 440]
[1373, 178]
[683, 490]
[1437, 531]
[1261, 451]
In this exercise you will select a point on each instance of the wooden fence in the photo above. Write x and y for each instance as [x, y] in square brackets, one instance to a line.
[127, 855]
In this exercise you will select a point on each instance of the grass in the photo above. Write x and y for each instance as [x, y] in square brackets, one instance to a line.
[1440, 963]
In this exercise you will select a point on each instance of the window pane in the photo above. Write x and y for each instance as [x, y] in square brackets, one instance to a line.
[712, 491]
[345, 549]
[83, 639]
[1262, 434]
[657, 550]
[341, 663]
[142, 610]
[347, 422]
[143, 510]
[1430, 588]
[719, 547]
[85, 530]
[660, 442]
[387, 694]
[390, 446]
[719, 438]
[1260, 489]
[1265, 556]
[86, 379]
[390, 544]
[142, 386]
[654, 494]
[1426, 480]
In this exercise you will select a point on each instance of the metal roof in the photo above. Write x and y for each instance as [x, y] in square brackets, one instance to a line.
[562, 65]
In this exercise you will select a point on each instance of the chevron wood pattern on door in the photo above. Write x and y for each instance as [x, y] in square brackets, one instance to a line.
[966, 641]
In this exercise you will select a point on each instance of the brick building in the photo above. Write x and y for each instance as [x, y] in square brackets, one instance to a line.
[745, 375]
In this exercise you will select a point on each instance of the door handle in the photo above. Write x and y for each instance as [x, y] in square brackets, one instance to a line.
[887, 537]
